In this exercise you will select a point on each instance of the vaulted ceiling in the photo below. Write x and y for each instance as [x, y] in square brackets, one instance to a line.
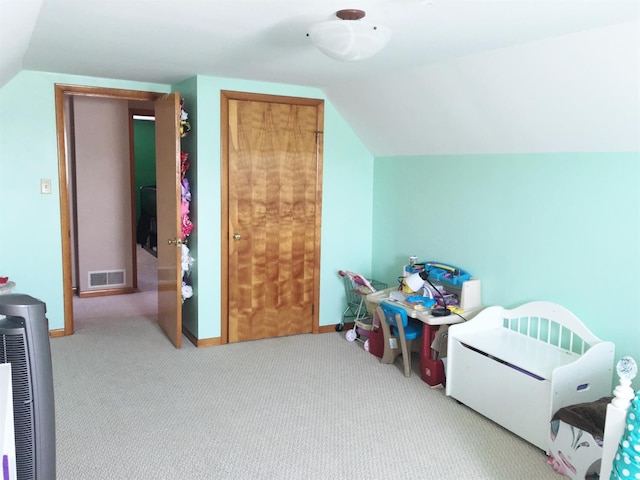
[166, 41]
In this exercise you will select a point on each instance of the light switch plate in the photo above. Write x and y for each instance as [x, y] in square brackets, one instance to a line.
[45, 186]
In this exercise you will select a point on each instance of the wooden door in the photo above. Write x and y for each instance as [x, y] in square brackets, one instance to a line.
[272, 158]
[167, 110]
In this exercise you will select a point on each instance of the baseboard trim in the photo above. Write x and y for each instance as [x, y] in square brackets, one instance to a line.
[201, 342]
[107, 292]
[217, 341]
[332, 328]
[57, 333]
[204, 342]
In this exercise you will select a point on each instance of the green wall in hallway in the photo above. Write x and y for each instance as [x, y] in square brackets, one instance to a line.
[144, 142]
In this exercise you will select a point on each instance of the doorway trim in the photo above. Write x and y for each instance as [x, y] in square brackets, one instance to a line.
[65, 221]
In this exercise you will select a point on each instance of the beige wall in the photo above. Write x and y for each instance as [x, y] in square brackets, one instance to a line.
[103, 188]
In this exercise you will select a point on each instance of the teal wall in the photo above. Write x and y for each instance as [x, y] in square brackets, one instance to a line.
[31, 252]
[563, 227]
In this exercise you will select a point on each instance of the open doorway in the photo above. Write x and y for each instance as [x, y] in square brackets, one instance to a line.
[105, 304]
[167, 113]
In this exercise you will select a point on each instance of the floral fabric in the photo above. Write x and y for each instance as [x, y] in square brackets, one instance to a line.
[186, 224]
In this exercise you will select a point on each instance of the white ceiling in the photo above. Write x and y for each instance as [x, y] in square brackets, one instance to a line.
[166, 41]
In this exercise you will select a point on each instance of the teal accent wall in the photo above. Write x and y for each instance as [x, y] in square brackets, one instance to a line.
[31, 252]
[563, 227]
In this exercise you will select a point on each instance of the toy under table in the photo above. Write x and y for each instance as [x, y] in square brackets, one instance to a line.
[518, 367]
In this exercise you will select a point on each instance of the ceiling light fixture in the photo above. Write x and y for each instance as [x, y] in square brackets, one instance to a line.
[349, 38]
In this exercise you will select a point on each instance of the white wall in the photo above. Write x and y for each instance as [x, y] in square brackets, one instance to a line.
[570, 93]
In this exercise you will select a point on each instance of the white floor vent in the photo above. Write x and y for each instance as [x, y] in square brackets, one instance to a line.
[106, 278]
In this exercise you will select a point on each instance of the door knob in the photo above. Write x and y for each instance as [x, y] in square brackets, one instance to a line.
[176, 241]
[237, 236]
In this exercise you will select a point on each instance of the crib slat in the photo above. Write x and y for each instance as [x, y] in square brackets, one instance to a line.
[547, 331]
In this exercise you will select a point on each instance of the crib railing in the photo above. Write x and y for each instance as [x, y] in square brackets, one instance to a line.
[547, 331]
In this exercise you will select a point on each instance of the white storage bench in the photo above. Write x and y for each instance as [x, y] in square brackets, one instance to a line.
[518, 367]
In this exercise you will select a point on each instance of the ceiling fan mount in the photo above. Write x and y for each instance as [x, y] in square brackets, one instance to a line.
[350, 14]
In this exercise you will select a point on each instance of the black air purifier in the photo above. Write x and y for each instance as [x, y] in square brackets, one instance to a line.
[24, 343]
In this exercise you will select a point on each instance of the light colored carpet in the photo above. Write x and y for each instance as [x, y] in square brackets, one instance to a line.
[131, 406]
